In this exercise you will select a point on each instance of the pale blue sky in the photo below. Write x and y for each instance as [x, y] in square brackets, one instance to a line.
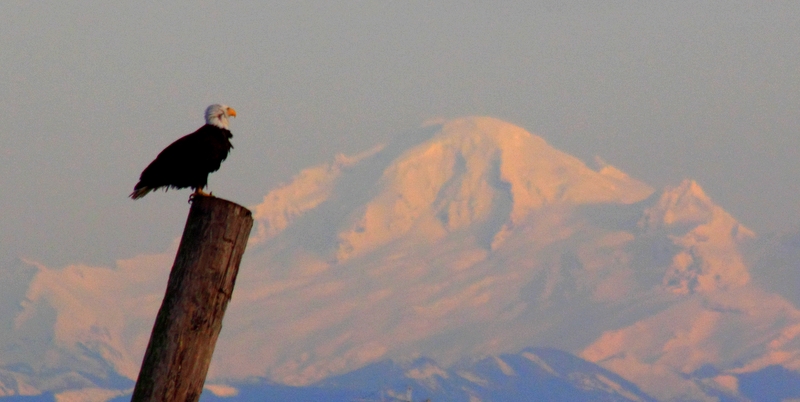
[92, 91]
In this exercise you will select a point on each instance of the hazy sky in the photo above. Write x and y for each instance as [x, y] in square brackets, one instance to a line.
[90, 92]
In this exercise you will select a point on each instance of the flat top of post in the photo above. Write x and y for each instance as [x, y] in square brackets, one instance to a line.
[209, 201]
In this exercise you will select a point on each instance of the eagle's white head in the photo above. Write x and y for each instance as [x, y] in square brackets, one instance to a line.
[217, 115]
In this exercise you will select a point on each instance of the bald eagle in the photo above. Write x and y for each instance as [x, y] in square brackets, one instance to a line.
[188, 161]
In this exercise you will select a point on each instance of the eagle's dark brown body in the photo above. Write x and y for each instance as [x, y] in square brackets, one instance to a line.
[186, 162]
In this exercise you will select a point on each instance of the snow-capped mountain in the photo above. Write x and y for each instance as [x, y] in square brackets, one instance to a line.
[463, 239]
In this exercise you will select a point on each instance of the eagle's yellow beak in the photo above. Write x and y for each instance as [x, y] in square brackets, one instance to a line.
[231, 112]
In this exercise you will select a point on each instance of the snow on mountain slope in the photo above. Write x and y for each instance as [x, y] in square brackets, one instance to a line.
[734, 331]
[469, 238]
[473, 168]
[79, 327]
[712, 260]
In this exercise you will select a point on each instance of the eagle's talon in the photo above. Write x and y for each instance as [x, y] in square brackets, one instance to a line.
[199, 193]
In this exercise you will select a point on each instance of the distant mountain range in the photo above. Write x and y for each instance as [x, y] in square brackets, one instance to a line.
[456, 241]
[531, 375]
[534, 374]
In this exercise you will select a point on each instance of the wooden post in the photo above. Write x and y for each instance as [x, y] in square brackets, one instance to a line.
[200, 285]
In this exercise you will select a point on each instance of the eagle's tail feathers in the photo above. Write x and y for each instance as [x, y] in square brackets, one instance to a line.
[140, 192]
